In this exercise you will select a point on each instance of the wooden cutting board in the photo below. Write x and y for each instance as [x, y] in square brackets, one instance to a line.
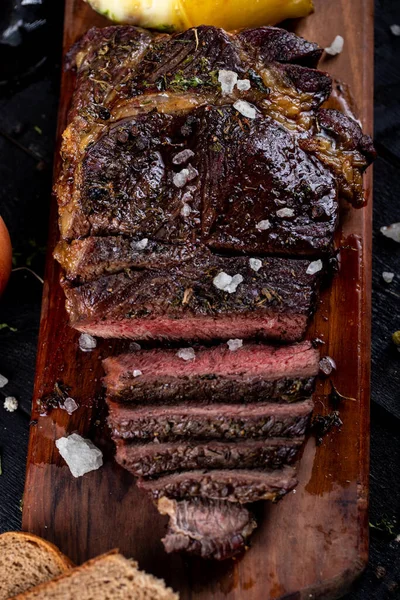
[314, 543]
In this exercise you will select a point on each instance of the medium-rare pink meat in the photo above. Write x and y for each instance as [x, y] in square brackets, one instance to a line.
[254, 372]
[237, 485]
[147, 460]
[185, 301]
[219, 421]
[210, 529]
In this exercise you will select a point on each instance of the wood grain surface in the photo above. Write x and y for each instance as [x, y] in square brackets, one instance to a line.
[313, 543]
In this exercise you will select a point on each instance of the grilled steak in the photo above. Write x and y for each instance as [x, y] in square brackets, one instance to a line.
[251, 373]
[201, 182]
[182, 301]
[151, 459]
[210, 529]
[241, 486]
[159, 152]
[223, 421]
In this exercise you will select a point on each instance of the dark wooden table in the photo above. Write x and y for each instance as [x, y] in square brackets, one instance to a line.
[28, 108]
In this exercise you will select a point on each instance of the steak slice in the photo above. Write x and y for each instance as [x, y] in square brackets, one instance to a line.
[219, 421]
[242, 486]
[147, 460]
[210, 529]
[183, 301]
[88, 258]
[252, 373]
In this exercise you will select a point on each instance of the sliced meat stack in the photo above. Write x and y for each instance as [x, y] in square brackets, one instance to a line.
[198, 200]
[210, 428]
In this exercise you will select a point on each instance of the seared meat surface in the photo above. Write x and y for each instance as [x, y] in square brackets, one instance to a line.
[219, 421]
[181, 300]
[198, 199]
[155, 458]
[163, 152]
[239, 485]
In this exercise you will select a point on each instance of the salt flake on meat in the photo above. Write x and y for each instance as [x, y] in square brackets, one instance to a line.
[263, 225]
[186, 353]
[245, 109]
[226, 282]
[182, 156]
[228, 80]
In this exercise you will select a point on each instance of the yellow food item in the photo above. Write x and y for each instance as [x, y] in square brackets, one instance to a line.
[177, 15]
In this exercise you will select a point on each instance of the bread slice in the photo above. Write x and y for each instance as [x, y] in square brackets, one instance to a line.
[26, 560]
[107, 577]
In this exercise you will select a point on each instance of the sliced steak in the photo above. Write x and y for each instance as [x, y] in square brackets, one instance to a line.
[184, 302]
[241, 486]
[147, 460]
[87, 259]
[251, 373]
[210, 529]
[220, 421]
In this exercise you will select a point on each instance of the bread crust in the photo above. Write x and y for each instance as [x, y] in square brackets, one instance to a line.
[112, 553]
[63, 561]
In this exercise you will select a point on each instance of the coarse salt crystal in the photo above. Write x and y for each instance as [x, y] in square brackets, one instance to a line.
[243, 85]
[3, 381]
[187, 197]
[186, 353]
[137, 373]
[87, 343]
[80, 454]
[10, 403]
[180, 179]
[186, 210]
[336, 47]
[226, 282]
[70, 405]
[395, 29]
[327, 365]
[255, 264]
[245, 109]
[234, 345]
[228, 80]
[141, 244]
[182, 157]
[192, 172]
[314, 267]
[263, 225]
[387, 276]
[392, 231]
[285, 212]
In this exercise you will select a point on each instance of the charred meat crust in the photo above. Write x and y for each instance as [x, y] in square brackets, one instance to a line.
[223, 421]
[182, 302]
[242, 486]
[268, 185]
[149, 460]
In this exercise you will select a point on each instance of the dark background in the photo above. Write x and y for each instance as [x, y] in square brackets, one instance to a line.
[28, 111]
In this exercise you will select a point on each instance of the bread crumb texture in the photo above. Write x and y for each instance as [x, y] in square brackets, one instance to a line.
[108, 577]
[26, 561]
